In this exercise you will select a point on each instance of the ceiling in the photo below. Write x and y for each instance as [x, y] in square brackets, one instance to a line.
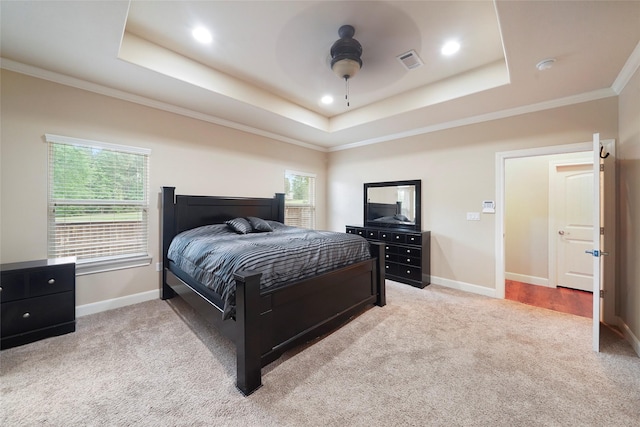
[268, 64]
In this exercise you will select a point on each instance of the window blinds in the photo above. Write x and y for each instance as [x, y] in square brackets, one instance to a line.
[97, 200]
[300, 199]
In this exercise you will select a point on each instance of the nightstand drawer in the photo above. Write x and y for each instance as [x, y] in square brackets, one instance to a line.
[35, 313]
[13, 286]
[51, 280]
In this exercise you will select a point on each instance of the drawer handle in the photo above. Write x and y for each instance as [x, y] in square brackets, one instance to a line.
[408, 271]
[386, 266]
[408, 251]
[26, 315]
[51, 281]
[386, 256]
[397, 237]
[408, 259]
[384, 235]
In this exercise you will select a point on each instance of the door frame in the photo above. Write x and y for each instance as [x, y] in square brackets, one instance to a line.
[501, 158]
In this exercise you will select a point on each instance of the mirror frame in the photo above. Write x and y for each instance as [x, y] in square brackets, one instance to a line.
[417, 183]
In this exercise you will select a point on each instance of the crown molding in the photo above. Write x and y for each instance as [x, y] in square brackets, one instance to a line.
[62, 79]
[496, 115]
[628, 70]
[632, 64]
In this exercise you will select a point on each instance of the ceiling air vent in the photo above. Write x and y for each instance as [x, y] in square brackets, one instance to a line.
[410, 60]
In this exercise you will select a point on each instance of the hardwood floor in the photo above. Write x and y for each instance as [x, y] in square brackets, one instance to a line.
[565, 300]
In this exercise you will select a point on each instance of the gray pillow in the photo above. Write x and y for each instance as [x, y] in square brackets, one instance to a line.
[239, 225]
[259, 224]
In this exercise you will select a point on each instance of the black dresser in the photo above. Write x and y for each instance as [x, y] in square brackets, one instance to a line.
[38, 300]
[407, 253]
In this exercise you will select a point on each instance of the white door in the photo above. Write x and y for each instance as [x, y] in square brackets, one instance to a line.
[572, 213]
[603, 203]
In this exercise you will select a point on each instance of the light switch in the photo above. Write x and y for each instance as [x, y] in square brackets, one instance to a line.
[473, 216]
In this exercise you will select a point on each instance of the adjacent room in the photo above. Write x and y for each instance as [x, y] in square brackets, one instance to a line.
[454, 185]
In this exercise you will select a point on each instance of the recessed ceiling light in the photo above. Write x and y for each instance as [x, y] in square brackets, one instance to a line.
[450, 47]
[202, 35]
[545, 64]
[327, 99]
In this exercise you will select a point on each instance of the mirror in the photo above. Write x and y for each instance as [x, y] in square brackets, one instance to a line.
[393, 204]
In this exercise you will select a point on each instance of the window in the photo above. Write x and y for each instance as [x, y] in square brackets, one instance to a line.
[98, 203]
[300, 199]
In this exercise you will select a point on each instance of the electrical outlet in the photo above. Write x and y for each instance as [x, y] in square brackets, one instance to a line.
[473, 216]
[158, 266]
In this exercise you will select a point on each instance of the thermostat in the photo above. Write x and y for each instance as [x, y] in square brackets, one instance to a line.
[488, 206]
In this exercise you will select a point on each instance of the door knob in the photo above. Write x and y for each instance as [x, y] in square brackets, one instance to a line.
[561, 232]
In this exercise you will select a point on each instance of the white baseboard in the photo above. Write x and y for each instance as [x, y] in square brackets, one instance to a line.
[523, 278]
[463, 286]
[110, 304]
[630, 336]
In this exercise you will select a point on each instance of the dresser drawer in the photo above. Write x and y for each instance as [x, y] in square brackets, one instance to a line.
[409, 272]
[36, 313]
[390, 268]
[372, 234]
[408, 251]
[414, 239]
[407, 260]
[392, 237]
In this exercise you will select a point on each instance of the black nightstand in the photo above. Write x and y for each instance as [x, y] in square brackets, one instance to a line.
[38, 300]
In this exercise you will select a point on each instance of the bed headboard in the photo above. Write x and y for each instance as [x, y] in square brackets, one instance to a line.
[181, 212]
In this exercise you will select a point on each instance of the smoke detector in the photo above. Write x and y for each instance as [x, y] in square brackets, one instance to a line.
[545, 64]
[410, 60]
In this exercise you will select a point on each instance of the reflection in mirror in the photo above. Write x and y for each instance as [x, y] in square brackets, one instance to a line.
[393, 204]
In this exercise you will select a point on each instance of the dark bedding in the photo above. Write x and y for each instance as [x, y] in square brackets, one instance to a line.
[212, 253]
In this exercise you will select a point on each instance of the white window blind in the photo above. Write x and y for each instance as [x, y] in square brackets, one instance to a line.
[98, 202]
[300, 199]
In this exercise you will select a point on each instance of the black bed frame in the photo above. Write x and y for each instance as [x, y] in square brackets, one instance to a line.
[268, 322]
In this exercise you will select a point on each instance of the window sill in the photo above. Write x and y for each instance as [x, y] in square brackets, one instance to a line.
[104, 265]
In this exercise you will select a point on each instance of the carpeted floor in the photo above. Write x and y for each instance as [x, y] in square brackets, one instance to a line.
[431, 357]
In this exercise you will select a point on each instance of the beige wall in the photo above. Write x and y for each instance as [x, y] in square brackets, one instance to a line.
[457, 169]
[628, 243]
[195, 156]
[527, 215]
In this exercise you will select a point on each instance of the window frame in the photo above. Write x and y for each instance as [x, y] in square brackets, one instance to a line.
[312, 197]
[102, 263]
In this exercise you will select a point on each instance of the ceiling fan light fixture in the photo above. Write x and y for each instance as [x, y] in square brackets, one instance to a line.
[345, 53]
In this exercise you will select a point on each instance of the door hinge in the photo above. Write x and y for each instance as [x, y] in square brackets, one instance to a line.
[602, 231]
[601, 167]
[602, 292]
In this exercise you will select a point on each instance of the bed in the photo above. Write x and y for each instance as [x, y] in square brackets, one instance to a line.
[264, 322]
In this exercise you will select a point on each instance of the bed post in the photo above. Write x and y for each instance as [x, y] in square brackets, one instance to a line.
[248, 350]
[377, 250]
[280, 202]
[167, 233]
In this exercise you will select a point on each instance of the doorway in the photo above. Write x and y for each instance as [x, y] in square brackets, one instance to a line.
[604, 213]
[548, 225]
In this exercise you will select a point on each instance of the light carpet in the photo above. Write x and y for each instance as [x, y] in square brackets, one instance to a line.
[430, 357]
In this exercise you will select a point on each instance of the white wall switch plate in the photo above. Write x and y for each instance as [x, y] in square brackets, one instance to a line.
[473, 216]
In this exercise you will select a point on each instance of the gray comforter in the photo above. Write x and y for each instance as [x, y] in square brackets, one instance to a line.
[212, 253]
